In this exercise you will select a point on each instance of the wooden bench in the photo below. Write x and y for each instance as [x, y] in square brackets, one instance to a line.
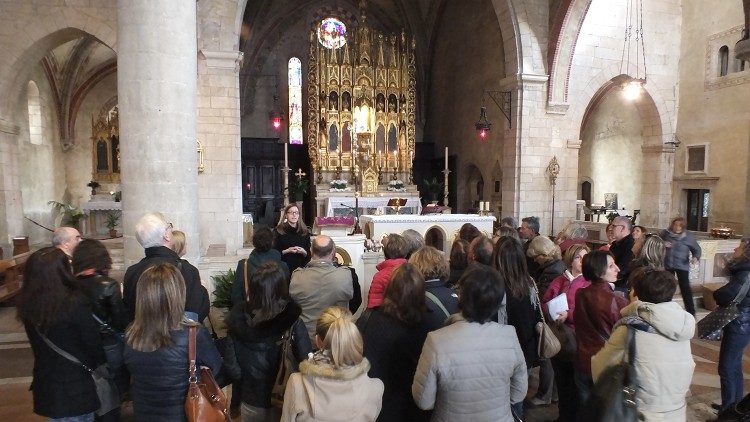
[11, 275]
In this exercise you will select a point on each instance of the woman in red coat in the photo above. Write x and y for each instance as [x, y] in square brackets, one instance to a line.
[596, 312]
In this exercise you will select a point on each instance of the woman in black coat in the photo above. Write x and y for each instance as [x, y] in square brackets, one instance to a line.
[393, 337]
[293, 239]
[256, 328]
[156, 349]
[91, 265]
[53, 305]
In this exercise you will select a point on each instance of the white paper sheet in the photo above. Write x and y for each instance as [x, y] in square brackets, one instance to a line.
[557, 305]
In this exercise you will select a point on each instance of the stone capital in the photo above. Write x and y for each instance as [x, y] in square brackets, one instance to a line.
[657, 149]
[222, 59]
[8, 127]
[517, 81]
[557, 108]
[574, 144]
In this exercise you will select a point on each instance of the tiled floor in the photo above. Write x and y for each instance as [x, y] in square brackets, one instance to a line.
[16, 364]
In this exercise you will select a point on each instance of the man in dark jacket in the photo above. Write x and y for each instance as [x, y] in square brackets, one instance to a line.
[154, 233]
[622, 250]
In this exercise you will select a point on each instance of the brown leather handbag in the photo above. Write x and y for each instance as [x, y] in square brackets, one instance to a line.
[205, 401]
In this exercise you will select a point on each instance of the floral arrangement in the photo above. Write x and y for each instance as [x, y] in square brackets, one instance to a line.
[346, 220]
[396, 186]
[373, 245]
[339, 185]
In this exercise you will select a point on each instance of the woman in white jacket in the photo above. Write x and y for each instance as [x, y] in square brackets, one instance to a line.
[663, 362]
[472, 369]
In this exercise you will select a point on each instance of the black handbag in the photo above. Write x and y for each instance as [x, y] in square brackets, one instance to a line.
[711, 327]
[113, 344]
[613, 398]
[106, 389]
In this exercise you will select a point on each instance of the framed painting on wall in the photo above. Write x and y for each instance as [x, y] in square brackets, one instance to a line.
[610, 201]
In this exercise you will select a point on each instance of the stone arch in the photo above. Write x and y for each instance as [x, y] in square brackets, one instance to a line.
[514, 22]
[652, 105]
[436, 237]
[41, 38]
[563, 40]
[656, 174]
[473, 186]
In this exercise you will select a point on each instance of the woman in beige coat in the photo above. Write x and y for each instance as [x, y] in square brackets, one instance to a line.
[332, 384]
[663, 361]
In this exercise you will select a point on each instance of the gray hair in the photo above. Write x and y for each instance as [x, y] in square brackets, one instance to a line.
[574, 231]
[61, 234]
[533, 223]
[414, 240]
[509, 222]
[150, 230]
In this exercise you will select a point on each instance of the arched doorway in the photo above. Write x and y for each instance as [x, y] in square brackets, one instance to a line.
[474, 188]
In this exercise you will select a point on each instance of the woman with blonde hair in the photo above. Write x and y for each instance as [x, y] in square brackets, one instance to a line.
[682, 250]
[332, 384]
[293, 238]
[179, 242]
[156, 346]
[572, 234]
[651, 253]
[442, 301]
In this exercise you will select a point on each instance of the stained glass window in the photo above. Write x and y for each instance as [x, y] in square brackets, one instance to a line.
[295, 101]
[332, 33]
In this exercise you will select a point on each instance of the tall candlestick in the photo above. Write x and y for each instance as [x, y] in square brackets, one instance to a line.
[446, 158]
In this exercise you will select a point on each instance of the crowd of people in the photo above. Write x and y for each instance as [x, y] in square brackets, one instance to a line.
[441, 337]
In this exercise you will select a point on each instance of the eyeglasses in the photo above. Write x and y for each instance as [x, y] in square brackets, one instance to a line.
[618, 225]
[293, 212]
[169, 227]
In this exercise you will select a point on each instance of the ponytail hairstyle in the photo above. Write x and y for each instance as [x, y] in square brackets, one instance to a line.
[340, 336]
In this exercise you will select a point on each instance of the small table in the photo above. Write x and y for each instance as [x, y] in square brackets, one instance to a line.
[95, 209]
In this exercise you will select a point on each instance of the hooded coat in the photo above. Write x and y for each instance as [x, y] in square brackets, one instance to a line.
[322, 392]
[663, 362]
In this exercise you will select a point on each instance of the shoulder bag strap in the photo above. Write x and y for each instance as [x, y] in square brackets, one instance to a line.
[192, 332]
[629, 389]
[539, 303]
[62, 352]
[247, 289]
[743, 291]
[437, 302]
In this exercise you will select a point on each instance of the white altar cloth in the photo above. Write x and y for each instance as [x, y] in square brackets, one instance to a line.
[371, 202]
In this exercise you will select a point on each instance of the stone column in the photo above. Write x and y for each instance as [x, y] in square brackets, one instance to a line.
[11, 207]
[156, 84]
[220, 183]
[656, 191]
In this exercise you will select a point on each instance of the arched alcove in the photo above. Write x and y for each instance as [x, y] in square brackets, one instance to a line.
[435, 237]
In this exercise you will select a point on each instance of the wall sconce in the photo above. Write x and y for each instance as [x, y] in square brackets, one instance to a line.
[503, 101]
[201, 158]
[675, 142]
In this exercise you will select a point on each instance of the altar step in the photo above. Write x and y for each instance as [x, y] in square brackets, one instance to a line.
[116, 249]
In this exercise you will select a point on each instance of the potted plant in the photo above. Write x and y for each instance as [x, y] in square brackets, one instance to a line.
[434, 189]
[298, 188]
[93, 185]
[71, 216]
[222, 301]
[113, 217]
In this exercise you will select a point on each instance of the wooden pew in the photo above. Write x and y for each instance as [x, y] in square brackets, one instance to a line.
[11, 275]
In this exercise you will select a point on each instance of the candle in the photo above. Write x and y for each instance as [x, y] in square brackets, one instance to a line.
[286, 155]
[481, 206]
[446, 158]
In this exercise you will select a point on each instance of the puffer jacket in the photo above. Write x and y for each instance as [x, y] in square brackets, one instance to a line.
[257, 349]
[253, 261]
[663, 362]
[105, 297]
[160, 378]
[380, 281]
[678, 255]
[323, 392]
[470, 372]
[739, 272]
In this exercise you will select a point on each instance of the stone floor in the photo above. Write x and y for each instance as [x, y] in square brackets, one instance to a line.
[16, 364]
